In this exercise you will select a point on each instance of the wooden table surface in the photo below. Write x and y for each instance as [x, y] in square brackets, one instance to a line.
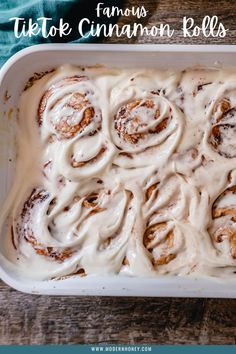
[26, 319]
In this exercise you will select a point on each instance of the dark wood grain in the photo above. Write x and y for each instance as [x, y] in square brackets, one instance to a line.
[172, 12]
[26, 319]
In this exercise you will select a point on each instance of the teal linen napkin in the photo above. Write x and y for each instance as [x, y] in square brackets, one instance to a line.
[72, 11]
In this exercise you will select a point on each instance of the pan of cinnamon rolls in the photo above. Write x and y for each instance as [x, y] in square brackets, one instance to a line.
[125, 172]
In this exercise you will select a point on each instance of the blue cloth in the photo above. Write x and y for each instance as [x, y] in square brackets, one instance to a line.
[72, 11]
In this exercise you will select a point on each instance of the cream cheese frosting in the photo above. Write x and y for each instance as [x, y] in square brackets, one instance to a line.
[125, 171]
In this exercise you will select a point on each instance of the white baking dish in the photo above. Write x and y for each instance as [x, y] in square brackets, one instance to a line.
[13, 77]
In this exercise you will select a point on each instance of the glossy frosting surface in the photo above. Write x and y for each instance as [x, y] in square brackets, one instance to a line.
[125, 172]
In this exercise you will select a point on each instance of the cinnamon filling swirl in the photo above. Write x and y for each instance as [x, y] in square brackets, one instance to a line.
[223, 131]
[223, 229]
[134, 120]
[23, 228]
[69, 107]
[70, 110]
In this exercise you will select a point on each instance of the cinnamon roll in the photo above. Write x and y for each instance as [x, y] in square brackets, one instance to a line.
[223, 128]
[69, 108]
[162, 238]
[158, 239]
[223, 228]
[149, 127]
[70, 119]
[60, 229]
[25, 230]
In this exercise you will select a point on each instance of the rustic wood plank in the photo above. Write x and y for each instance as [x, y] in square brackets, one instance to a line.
[26, 319]
[172, 12]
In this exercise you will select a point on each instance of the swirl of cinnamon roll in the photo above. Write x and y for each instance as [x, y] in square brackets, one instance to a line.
[159, 242]
[223, 227]
[23, 227]
[68, 109]
[150, 125]
[87, 231]
[223, 130]
[70, 119]
[161, 238]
